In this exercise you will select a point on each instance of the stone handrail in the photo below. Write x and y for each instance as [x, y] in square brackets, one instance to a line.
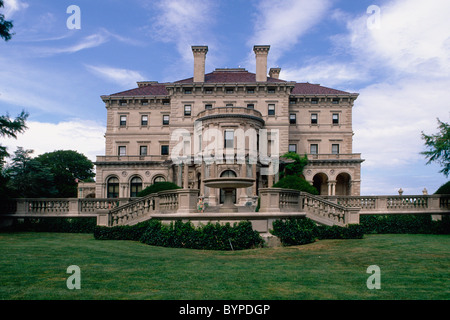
[315, 207]
[328, 212]
[170, 201]
[71, 206]
[395, 203]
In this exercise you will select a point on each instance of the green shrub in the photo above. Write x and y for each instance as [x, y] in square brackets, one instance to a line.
[415, 224]
[294, 231]
[53, 224]
[444, 189]
[157, 187]
[184, 235]
[297, 231]
[296, 183]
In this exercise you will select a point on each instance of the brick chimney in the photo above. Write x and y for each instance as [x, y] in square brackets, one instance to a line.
[261, 53]
[274, 73]
[199, 62]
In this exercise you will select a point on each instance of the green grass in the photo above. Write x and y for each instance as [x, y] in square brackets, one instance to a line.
[33, 266]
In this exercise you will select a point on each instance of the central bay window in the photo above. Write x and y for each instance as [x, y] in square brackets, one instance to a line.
[122, 151]
[314, 148]
[228, 139]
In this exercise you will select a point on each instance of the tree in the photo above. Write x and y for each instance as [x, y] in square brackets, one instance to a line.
[5, 26]
[67, 167]
[28, 178]
[439, 147]
[294, 165]
[10, 128]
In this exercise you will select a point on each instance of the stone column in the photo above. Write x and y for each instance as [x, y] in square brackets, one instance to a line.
[186, 176]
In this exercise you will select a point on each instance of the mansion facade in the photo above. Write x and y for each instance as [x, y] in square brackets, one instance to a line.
[229, 122]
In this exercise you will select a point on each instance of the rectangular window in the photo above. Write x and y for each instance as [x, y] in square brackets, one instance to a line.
[250, 106]
[292, 118]
[208, 106]
[164, 150]
[335, 149]
[165, 119]
[229, 90]
[229, 105]
[292, 101]
[271, 110]
[292, 148]
[143, 150]
[187, 110]
[208, 90]
[250, 90]
[123, 121]
[314, 149]
[144, 120]
[314, 101]
[122, 151]
[144, 102]
[313, 118]
[188, 91]
[335, 118]
[123, 102]
[229, 139]
[335, 101]
[270, 90]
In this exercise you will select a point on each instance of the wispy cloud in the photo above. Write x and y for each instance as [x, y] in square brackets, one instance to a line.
[84, 136]
[281, 24]
[123, 77]
[13, 6]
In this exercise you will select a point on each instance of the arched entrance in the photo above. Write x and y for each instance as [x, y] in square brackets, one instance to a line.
[135, 186]
[320, 182]
[343, 184]
[227, 173]
[112, 188]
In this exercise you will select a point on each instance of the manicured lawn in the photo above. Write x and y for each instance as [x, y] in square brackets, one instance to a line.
[33, 266]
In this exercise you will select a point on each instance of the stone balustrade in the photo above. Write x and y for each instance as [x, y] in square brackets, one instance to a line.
[395, 204]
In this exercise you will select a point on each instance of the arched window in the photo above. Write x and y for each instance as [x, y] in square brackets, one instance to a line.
[112, 187]
[159, 179]
[227, 173]
[135, 186]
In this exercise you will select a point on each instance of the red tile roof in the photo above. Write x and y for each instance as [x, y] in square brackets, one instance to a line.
[309, 88]
[229, 76]
[154, 89]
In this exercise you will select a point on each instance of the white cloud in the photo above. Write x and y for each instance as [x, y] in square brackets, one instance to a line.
[413, 37]
[182, 22]
[83, 136]
[13, 6]
[124, 77]
[281, 24]
[326, 73]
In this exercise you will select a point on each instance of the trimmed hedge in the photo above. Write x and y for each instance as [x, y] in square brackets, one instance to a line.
[157, 187]
[63, 225]
[184, 235]
[414, 224]
[297, 231]
[296, 183]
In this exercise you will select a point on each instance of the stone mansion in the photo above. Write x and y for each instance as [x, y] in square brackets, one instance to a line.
[189, 130]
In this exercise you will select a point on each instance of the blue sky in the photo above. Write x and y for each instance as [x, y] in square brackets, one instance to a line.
[399, 63]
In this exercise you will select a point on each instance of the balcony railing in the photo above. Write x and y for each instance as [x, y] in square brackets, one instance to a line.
[132, 158]
[229, 111]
